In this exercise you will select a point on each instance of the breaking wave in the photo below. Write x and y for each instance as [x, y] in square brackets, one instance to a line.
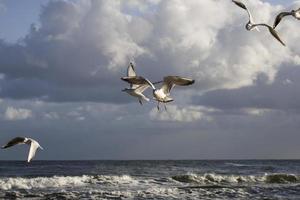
[62, 181]
[42, 182]
[87, 180]
[210, 178]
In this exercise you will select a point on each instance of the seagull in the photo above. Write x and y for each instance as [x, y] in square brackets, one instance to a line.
[163, 94]
[294, 13]
[249, 26]
[136, 89]
[34, 145]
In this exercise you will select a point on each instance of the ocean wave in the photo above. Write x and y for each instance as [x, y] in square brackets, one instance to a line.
[114, 180]
[239, 165]
[282, 178]
[43, 182]
[211, 178]
[62, 181]
[264, 166]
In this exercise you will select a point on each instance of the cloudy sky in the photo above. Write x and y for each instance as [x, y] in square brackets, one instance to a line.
[61, 63]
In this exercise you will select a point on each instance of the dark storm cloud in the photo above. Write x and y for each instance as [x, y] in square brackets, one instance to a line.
[80, 49]
[47, 91]
[282, 93]
[66, 58]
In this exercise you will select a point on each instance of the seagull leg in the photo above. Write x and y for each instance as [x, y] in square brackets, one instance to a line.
[165, 107]
[157, 106]
[140, 101]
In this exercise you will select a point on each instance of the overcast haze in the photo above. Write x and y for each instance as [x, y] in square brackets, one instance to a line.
[61, 63]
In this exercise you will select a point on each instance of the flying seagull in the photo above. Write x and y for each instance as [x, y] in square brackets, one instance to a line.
[137, 88]
[34, 145]
[163, 94]
[248, 26]
[294, 13]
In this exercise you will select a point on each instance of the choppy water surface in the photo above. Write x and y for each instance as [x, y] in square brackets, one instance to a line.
[150, 180]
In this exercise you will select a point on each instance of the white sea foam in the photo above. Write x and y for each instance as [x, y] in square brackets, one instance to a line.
[124, 179]
[64, 181]
[43, 182]
[218, 178]
[189, 185]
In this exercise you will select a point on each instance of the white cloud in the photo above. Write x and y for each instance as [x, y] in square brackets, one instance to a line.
[255, 111]
[93, 41]
[52, 115]
[184, 114]
[13, 114]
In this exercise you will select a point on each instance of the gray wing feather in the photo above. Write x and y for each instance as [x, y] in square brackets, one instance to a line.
[130, 70]
[240, 4]
[142, 88]
[272, 31]
[131, 73]
[171, 81]
[15, 141]
[279, 18]
[138, 80]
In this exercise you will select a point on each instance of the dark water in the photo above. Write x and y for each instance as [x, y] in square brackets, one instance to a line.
[150, 180]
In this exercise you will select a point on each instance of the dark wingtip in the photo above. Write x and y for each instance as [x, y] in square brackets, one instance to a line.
[168, 101]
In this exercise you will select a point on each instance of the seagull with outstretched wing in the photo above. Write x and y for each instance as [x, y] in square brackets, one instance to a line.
[137, 84]
[34, 145]
[135, 90]
[251, 24]
[162, 95]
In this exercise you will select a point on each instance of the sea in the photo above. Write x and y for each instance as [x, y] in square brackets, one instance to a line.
[169, 179]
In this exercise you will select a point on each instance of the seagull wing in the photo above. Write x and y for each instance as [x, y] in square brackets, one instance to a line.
[171, 81]
[279, 18]
[131, 73]
[142, 88]
[275, 35]
[243, 6]
[138, 80]
[240, 4]
[272, 31]
[15, 141]
[34, 145]
[297, 14]
[130, 70]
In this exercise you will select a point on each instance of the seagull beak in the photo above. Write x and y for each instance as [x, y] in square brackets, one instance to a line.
[41, 148]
